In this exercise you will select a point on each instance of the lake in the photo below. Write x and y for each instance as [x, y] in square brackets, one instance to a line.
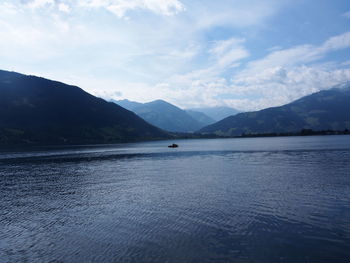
[255, 200]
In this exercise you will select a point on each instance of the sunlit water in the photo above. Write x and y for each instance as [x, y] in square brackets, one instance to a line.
[223, 200]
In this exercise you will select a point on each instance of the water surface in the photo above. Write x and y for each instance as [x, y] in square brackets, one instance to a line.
[221, 200]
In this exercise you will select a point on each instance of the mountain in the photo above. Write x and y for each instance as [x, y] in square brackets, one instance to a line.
[164, 115]
[217, 113]
[324, 110]
[38, 110]
[127, 104]
[202, 118]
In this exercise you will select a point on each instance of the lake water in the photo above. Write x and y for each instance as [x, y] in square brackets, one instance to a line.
[221, 200]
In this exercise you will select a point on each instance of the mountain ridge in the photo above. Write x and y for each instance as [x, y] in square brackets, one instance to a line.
[217, 113]
[39, 110]
[324, 110]
[164, 115]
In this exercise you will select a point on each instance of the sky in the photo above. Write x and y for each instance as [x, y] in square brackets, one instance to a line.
[246, 54]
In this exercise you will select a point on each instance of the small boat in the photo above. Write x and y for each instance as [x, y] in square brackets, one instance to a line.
[173, 146]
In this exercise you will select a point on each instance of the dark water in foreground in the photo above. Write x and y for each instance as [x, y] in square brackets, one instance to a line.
[228, 200]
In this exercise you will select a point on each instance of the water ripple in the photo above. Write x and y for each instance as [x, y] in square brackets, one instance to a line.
[210, 201]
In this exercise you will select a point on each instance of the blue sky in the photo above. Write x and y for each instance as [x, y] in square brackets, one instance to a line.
[247, 54]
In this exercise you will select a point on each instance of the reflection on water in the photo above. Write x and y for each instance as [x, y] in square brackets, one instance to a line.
[232, 200]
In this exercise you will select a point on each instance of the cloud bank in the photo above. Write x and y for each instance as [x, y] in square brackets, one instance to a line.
[191, 53]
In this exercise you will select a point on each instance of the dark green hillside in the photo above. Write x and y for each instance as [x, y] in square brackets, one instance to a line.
[325, 110]
[38, 110]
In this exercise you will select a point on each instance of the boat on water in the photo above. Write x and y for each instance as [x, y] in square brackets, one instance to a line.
[173, 146]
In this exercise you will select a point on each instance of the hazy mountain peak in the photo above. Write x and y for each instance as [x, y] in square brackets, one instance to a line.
[127, 104]
[217, 113]
[165, 115]
[160, 101]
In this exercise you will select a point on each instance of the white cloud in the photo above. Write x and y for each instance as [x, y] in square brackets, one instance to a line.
[117, 7]
[228, 52]
[272, 87]
[279, 78]
[121, 7]
[201, 86]
[239, 14]
[278, 86]
[8, 8]
[346, 63]
[285, 75]
[335, 43]
[165, 56]
[64, 7]
[40, 3]
[298, 55]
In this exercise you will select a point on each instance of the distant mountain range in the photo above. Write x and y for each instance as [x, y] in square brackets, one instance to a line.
[167, 116]
[324, 110]
[35, 110]
[201, 117]
[127, 104]
[38, 110]
[217, 113]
